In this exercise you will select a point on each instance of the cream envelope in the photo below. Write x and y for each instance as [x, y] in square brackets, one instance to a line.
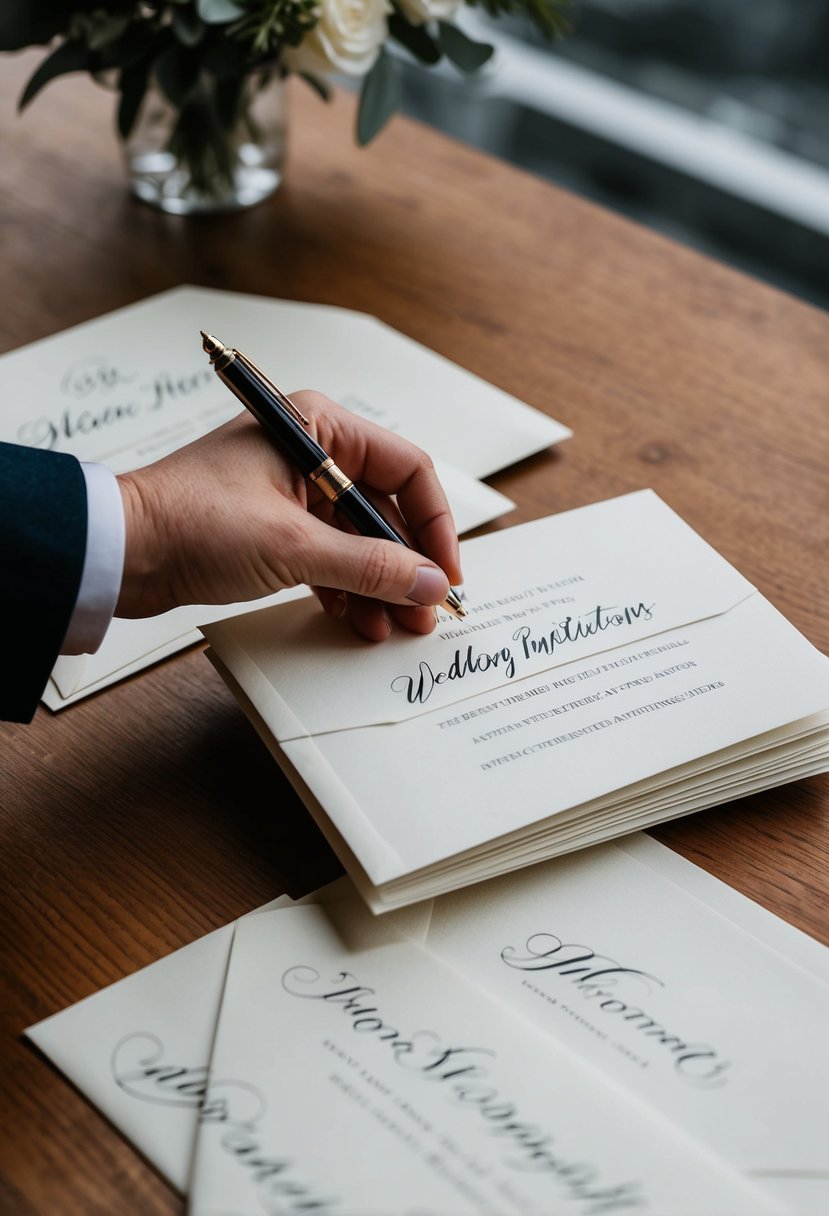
[130, 1047]
[798, 948]
[696, 1000]
[132, 386]
[614, 671]
[352, 1072]
[140, 1049]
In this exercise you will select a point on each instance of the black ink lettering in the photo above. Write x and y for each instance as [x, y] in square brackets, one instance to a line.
[697, 1064]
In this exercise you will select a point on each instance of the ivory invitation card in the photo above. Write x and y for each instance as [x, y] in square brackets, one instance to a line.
[667, 997]
[613, 672]
[131, 387]
[352, 1072]
[140, 1049]
[687, 966]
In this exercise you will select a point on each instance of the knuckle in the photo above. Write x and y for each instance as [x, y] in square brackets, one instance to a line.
[424, 461]
[377, 569]
[310, 401]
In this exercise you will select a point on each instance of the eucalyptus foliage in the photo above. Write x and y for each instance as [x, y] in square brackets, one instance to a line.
[212, 46]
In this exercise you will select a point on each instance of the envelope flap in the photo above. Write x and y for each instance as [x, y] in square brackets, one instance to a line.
[68, 672]
[539, 596]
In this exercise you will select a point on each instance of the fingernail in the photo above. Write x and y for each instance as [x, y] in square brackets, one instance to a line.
[430, 586]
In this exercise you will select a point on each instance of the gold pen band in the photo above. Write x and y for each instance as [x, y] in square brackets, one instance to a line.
[331, 480]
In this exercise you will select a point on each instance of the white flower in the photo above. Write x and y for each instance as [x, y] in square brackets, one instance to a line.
[418, 11]
[347, 38]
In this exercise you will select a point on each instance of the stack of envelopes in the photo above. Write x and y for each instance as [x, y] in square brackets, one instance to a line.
[614, 1031]
[613, 671]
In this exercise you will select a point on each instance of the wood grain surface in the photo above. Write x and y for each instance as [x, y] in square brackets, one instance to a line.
[138, 820]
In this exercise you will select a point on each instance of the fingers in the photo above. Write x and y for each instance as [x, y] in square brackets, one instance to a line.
[362, 566]
[386, 462]
[371, 619]
[377, 583]
[331, 600]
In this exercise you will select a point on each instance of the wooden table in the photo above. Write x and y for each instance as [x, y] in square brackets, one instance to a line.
[139, 819]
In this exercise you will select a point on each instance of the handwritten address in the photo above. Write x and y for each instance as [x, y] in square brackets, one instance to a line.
[100, 397]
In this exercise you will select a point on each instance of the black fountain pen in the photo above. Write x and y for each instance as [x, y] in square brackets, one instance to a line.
[286, 427]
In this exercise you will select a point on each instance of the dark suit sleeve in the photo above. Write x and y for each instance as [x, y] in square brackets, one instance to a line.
[43, 517]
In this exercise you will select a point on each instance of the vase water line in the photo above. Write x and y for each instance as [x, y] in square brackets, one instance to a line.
[222, 149]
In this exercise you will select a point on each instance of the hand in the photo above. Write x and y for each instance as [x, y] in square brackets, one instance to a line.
[228, 518]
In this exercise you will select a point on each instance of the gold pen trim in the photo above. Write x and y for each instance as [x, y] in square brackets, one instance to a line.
[222, 356]
[282, 398]
[331, 480]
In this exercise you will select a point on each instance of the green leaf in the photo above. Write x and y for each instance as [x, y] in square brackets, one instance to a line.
[214, 12]
[132, 85]
[547, 15]
[69, 57]
[221, 55]
[177, 70]
[379, 98]
[320, 87]
[415, 38]
[464, 53]
[187, 26]
[138, 43]
[108, 31]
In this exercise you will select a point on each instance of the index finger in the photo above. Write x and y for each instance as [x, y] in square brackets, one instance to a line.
[388, 463]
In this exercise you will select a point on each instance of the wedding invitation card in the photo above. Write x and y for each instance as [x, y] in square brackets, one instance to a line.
[129, 388]
[667, 998]
[613, 671]
[352, 1072]
[668, 983]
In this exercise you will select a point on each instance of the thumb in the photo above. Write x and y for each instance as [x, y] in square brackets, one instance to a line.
[379, 569]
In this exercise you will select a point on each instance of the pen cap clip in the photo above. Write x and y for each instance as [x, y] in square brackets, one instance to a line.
[286, 402]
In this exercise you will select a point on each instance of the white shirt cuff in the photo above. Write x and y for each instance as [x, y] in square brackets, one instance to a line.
[103, 566]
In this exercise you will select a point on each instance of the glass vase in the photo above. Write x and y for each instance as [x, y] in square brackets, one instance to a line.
[221, 150]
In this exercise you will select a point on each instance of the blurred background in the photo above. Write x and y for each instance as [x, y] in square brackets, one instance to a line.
[705, 119]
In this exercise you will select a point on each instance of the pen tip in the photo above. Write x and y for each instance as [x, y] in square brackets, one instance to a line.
[453, 604]
[211, 346]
